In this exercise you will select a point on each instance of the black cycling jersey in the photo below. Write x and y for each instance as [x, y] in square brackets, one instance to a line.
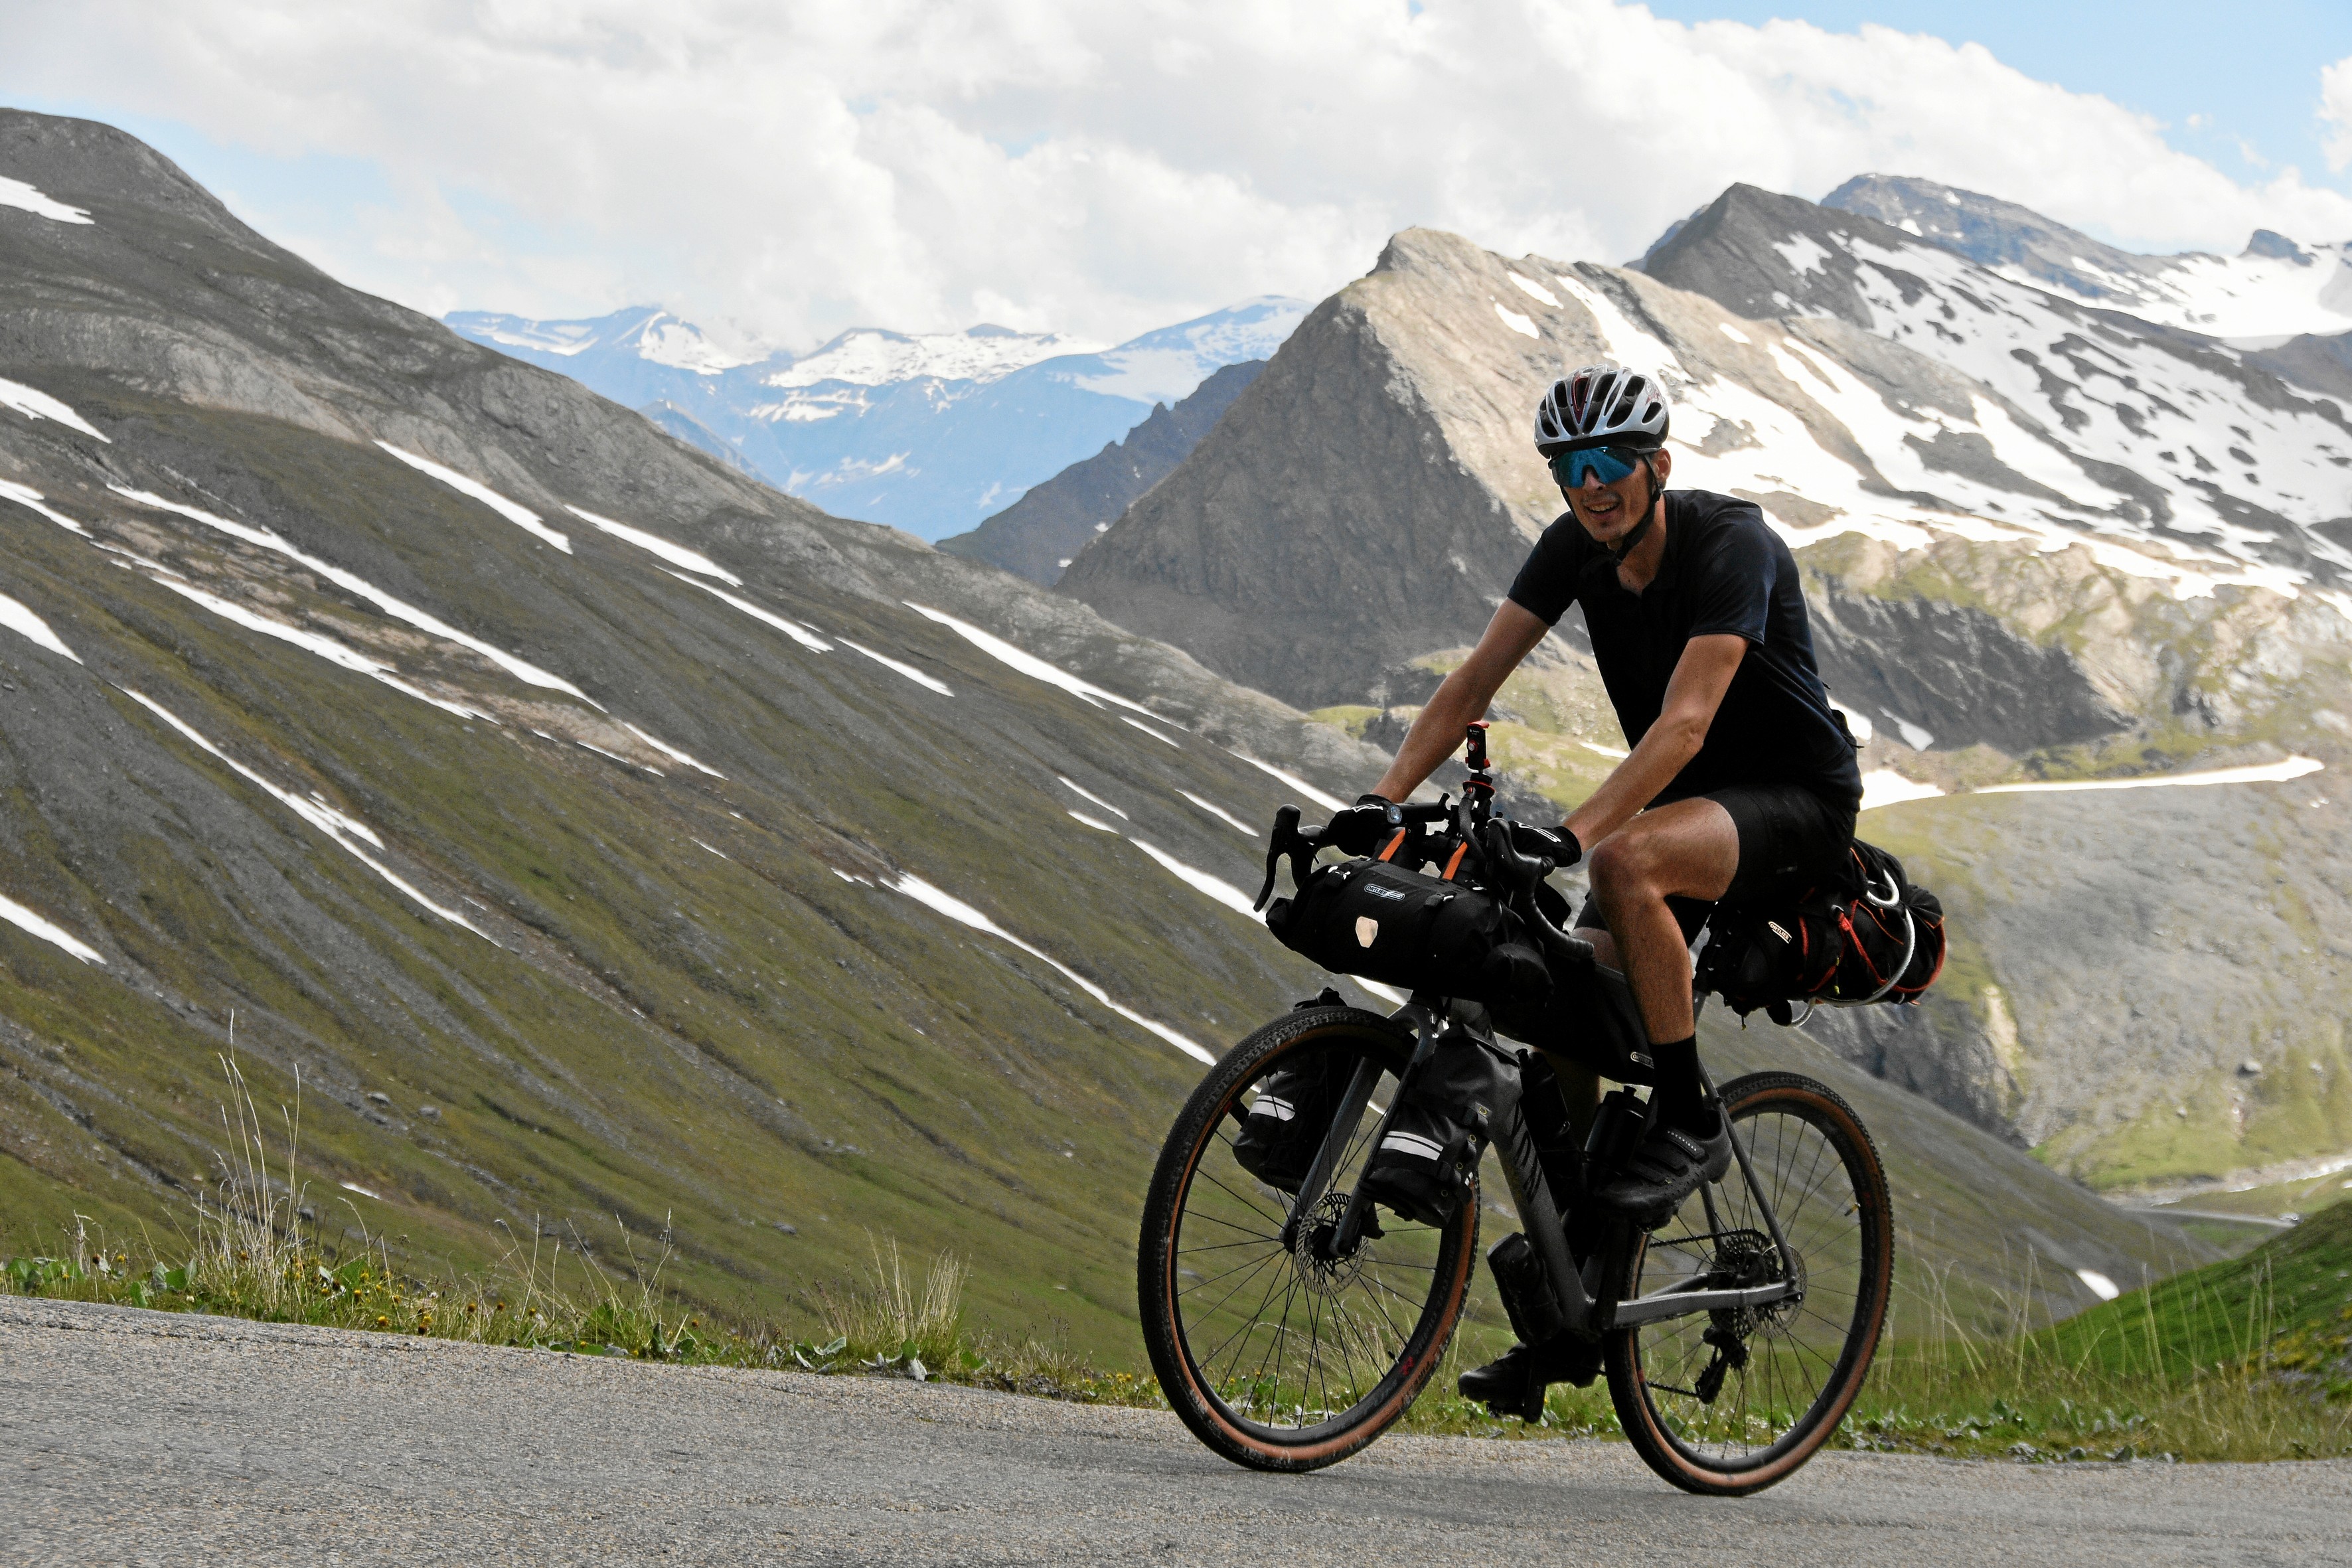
[1724, 571]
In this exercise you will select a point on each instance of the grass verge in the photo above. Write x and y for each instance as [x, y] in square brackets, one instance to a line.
[250, 1249]
[2246, 1360]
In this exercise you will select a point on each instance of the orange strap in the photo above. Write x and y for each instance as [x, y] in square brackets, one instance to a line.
[1392, 844]
[1456, 861]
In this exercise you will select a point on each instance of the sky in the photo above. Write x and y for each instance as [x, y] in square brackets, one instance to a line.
[779, 171]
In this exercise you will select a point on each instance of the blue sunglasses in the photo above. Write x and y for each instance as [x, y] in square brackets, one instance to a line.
[1607, 464]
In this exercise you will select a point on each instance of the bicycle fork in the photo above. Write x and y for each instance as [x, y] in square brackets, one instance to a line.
[1427, 1025]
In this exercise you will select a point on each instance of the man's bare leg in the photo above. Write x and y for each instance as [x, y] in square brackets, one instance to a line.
[1688, 849]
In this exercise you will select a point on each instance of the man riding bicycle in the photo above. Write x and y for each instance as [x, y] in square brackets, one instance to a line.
[1742, 783]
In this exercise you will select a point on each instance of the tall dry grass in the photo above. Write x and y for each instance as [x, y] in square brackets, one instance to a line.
[2010, 1381]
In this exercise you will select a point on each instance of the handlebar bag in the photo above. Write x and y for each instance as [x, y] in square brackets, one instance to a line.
[1382, 922]
[1871, 936]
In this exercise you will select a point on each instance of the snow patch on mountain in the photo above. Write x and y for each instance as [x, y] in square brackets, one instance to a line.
[956, 909]
[17, 194]
[2273, 289]
[25, 920]
[514, 511]
[655, 544]
[17, 618]
[35, 403]
[2163, 451]
[1166, 365]
[347, 832]
[352, 582]
[928, 432]
[644, 333]
[33, 501]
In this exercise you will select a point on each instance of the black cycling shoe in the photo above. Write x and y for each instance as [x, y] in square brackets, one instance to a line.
[1514, 1384]
[1668, 1165]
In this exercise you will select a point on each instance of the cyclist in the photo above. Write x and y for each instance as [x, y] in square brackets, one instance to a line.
[1743, 780]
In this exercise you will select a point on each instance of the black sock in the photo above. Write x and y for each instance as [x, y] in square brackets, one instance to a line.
[1681, 1101]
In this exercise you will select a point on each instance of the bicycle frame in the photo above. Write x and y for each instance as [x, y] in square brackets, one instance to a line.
[1582, 1293]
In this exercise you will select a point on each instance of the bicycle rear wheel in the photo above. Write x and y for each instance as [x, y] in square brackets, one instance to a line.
[1729, 1402]
[1287, 1357]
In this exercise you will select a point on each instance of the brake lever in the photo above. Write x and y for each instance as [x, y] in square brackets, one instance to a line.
[1288, 840]
[1522, 872]
[1527, 873]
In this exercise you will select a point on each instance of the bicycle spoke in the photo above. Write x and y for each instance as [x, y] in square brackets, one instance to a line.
[1265, 1235]
[1794, 1351]
[1274, 1220]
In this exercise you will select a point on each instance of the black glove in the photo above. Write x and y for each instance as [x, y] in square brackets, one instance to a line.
[1556, 845]
[1363, 826]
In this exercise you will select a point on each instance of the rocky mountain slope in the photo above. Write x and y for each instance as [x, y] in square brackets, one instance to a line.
[595, 844]
[1036, 536]
[931, 432]
[2044, 542]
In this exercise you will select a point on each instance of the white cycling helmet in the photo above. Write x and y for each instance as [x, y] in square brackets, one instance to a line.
[1601, 406]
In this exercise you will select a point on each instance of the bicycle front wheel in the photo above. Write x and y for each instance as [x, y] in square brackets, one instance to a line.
[1291, 1354]
[1729, 1402]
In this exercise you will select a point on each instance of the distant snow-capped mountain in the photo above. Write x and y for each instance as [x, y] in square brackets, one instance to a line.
[928, 432]
[2273, 290]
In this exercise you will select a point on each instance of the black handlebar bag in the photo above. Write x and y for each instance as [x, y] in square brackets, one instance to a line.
[1378, 921]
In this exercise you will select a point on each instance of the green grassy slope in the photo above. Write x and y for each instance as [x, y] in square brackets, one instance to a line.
[686, 1016]
[2291, 1296]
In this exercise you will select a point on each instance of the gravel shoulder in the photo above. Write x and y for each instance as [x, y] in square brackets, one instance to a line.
[131, 1437]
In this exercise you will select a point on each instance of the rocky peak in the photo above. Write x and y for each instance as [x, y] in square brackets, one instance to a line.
[1988, 231]
[2278, 247]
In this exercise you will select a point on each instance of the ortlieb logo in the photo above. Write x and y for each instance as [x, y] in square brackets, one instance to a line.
[1367, 930]
[1775, 928]
[1376, 890]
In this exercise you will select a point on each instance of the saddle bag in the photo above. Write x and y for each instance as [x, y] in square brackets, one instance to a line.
[1870, 936]
[1378, 921]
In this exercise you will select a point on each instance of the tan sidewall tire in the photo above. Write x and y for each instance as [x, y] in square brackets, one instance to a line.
[1156, 1273]
[1627, 1388]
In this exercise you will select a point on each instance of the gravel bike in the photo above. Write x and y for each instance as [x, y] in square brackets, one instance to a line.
[1290, 1330]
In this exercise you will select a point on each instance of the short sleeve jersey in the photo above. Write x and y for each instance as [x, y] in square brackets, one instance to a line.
[1724, 571]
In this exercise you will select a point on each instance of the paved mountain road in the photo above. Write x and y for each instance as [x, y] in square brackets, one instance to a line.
[131, 1437]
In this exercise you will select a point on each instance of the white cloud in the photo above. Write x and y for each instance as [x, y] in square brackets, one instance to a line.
[795, 169]
[2335, 112]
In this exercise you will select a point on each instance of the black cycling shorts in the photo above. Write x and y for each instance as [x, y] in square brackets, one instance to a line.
[1791, 839]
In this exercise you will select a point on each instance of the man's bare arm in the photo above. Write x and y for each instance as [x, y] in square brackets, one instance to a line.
[1463, 697]
[1702, 674]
